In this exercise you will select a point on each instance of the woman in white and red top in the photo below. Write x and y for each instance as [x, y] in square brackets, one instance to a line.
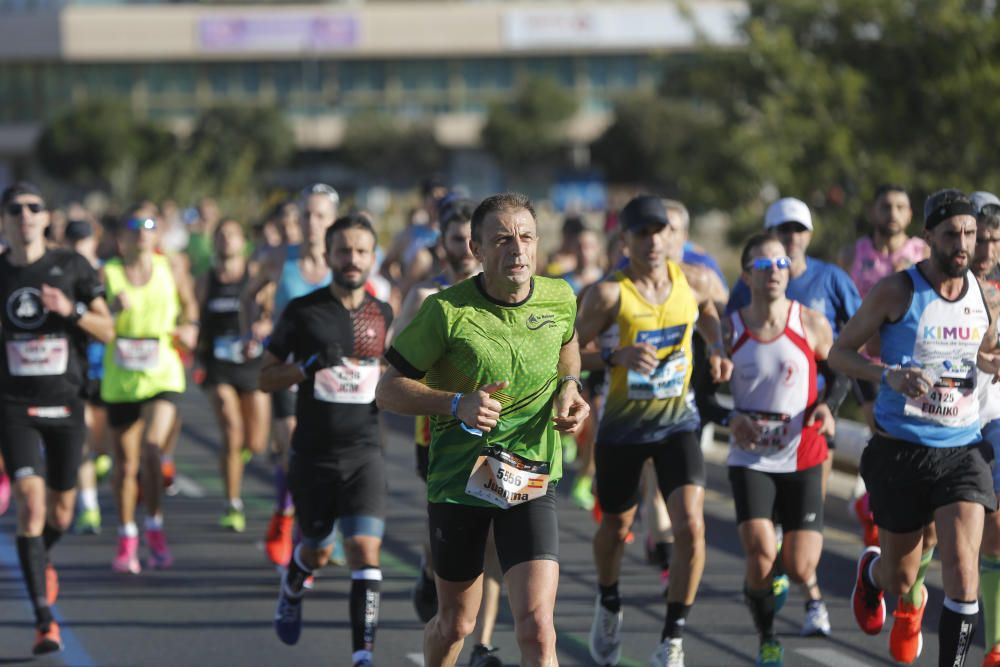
[777, 438]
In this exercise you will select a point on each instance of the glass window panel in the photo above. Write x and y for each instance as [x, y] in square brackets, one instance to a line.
[487, 74]
[361, 75]
[560, 69]
[423, 75]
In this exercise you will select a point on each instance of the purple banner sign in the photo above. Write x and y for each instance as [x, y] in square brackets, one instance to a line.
[279, 33]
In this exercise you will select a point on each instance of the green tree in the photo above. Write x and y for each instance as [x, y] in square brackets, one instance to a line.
[102, 145]
[391, 151]
[531, 127]
[826, 100]
[230, 149]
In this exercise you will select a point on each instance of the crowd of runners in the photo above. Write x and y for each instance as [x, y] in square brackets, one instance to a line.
[604, 358]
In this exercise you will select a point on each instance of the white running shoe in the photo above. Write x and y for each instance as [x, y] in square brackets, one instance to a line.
[670, 653]
[817, 623]
[605, 635]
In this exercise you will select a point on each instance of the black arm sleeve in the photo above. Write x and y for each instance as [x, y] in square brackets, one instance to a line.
[837, 386]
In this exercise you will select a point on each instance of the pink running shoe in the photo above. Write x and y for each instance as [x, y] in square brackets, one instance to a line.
[127, 560]
[160, 557]
[4, 493]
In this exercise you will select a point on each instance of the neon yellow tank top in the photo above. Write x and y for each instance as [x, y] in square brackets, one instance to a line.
[142, 362]
[642, 409]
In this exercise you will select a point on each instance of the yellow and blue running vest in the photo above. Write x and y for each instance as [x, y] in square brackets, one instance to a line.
[142, 362]
[641, 409]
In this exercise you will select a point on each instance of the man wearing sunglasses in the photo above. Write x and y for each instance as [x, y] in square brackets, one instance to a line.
[52, 299]
[645, 317]
[777, 433]
[936, 324]
[823, 287]
[985, 261]
[154, 306]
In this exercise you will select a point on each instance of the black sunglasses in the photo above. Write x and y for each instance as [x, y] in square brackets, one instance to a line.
[15, 208]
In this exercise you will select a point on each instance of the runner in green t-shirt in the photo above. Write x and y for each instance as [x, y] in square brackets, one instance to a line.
[494, 360]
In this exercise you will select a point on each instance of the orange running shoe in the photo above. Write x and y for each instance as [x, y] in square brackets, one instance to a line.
[864, 513]
[169, 470]
[278, 543]
[47, 640]
[51, 584]
[906, 640]
[992, 659]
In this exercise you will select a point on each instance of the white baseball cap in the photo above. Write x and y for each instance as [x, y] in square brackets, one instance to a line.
[982, 198]
[788, 209]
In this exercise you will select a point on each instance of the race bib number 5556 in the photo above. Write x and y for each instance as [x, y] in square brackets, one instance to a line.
[506, 479]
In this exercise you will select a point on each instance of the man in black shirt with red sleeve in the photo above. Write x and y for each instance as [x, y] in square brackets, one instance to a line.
[329, 342]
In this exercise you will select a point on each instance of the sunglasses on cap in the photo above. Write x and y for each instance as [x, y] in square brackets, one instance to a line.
[15, 208]
[137, 224]
[988, 210]
[765, 263]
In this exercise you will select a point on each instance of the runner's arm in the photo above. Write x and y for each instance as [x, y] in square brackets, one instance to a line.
[407, 396]
[260, 281]
[989, 349]
[597, 310]
[276, 374]
[886, 301]
[710, 328]
[188, 326]
[570, 408]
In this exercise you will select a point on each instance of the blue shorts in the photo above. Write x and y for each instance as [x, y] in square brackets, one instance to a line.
[991, 434]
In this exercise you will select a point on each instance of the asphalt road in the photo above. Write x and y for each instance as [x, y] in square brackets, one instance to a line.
[215, 606]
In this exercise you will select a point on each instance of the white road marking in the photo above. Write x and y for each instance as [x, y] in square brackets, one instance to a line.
[188, 488]
[830, 657]
[416, 658]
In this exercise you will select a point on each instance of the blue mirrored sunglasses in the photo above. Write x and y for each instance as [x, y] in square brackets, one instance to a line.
[135, 224]
[765, 263]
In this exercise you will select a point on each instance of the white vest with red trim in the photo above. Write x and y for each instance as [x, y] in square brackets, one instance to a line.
[774, 381]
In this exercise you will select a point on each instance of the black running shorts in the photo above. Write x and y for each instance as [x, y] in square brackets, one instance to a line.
[795, 499]
[123, 415]
[908, 482]
[283, 404]
[351, 484]
[43, 440]
[678, 461]
[241, 377]
[523, 533]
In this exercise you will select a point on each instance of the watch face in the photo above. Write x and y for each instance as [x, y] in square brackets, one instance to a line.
[81, 308]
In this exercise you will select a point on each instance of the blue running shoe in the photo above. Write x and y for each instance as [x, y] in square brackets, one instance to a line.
[288, 617]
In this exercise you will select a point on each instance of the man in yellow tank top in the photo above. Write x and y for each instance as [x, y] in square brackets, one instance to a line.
[143, 378]
[645, 316]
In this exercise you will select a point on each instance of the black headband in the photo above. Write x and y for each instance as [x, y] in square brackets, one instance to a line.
[949, 210]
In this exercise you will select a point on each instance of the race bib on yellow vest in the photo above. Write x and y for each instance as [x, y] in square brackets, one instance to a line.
[137, 354]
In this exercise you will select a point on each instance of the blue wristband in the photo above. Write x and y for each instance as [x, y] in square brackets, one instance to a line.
[454, 413]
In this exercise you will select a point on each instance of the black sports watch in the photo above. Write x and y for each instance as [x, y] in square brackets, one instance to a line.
[79, 308]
